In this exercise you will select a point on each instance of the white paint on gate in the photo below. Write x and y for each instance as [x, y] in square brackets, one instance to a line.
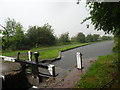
[7, 58]
[51, 69]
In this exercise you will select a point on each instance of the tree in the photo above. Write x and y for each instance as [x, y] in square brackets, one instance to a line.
[80, 37]
[106, 38]
[8, 32]
[74, 39]
[41, 35]
[89, 38]
[10, 27]
[106, 16]
[32, 34]
[47, 34]
[64, 38]
[95, 37]
[18, 39]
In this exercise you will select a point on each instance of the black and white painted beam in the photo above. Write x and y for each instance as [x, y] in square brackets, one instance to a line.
[50, 67]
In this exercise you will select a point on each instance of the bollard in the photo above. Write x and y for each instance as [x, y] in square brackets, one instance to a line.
[79, 60]
[23, 66]
[36, 55]
[51, 69]
[35, 69]
[30, 55]
[18, 55]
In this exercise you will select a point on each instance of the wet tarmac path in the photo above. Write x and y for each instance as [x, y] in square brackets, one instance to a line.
[92, 51]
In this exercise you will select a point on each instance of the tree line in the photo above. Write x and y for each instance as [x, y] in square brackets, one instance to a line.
[106, 16]
[15, 38]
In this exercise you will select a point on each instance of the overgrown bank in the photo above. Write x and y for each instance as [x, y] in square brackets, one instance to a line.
[102, 74]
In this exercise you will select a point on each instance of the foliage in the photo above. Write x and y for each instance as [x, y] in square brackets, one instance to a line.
[41, 35]
[100, 73]
[18, 39]
[10, 27]
[106, 38]
[73, 39]
[11, 34]
[14, 37]
[64, 38]
[45, 53]
[89, 38]
[105, 16]
[117, 44]
[96, 37]
[80, 37]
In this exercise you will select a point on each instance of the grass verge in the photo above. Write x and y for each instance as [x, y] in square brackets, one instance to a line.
[50, 54]
[46, 52]
[100, 73]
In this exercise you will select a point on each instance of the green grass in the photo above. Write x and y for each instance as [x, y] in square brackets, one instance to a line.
[14, 53]
[100, 73]
[44, 48]
[46, 53]
[50, 54]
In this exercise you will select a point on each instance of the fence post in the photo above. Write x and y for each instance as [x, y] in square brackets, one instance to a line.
[51, 69]
[79, 60]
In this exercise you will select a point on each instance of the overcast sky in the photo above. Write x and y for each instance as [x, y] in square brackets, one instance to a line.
[62, 15]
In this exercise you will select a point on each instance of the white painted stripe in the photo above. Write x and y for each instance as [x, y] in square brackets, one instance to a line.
[34, 87]
[8, 58]
[2, 76]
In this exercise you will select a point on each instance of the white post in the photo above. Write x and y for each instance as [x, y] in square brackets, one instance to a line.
[30, 55]
[51, 69]
[79, 61]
